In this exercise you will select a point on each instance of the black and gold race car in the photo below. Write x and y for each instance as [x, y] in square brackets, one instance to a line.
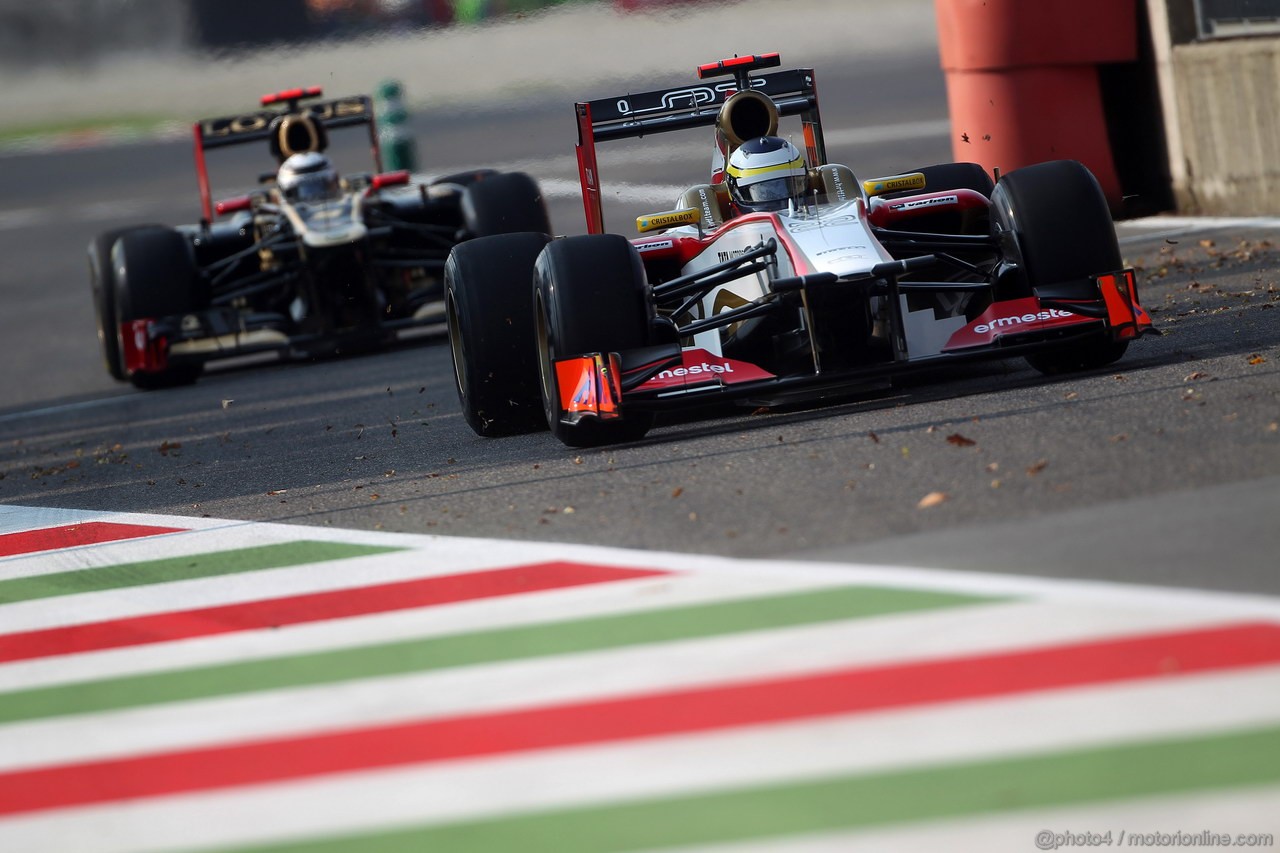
[307, 261]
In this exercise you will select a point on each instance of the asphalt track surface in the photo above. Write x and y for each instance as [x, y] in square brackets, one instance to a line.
[1163, 469]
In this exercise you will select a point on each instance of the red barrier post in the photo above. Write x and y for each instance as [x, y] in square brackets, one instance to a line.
[1022, 80]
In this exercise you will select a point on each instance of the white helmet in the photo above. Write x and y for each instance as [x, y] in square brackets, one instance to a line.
[309, 177]
[765, 172]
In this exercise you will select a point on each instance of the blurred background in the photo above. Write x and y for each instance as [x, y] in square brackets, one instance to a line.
[68, 63]
[1184, 90]
[88, 32]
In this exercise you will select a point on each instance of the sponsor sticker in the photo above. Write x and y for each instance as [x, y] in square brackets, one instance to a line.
[655, 245]
[926, 202]
[1030, 317]
[668, 220]
[895, 183]
[1011, 317]
[700, 367]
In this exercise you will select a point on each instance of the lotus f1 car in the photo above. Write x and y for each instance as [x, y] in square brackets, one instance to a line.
[310, 263]
[844, 287]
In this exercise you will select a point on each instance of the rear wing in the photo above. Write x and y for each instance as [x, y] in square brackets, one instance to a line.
[793, 92]
[263, 124]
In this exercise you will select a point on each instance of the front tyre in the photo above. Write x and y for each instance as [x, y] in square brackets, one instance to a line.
[1058, 228]
[491, 332]
[590, 296]
[155, 276]
[102, 286]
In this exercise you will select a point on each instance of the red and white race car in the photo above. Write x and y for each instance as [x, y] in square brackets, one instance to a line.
[832, 289]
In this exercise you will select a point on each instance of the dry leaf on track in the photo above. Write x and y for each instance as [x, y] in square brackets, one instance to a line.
[933, 499]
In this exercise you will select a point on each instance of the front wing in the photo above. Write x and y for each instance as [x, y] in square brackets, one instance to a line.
[157, 344]
[674, 377]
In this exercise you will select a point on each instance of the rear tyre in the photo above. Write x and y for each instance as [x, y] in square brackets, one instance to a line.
[957, 176]
[504, 204]
[489, 310]
[944, 177]
[590, 295]
[155, 276]
[463, 179]
[1058, 227]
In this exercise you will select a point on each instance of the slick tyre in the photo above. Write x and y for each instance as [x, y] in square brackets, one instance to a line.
[155, 276]
[506, 203]
[956, 176]
[590, 295]
[1056, 223]
[944, 177]
[489, 311]
[102, 286]
[463, 179]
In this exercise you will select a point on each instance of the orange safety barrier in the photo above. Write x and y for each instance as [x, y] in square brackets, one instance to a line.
[1022, 80]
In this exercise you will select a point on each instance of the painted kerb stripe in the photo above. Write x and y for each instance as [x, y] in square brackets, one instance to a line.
[666, 713]
[73, 535]
[523, 642]
[315, 607]
[1233, 760]
[190, 567]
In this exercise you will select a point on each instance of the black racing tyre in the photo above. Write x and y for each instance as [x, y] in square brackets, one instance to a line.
[941, 178]
[463, 179]
[156, 277]
[102, 286]
[1058, 227]
[590, 295]
[505, 203]
[956, 176]
[489, 311]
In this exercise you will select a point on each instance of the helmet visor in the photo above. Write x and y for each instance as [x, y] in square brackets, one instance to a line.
[771, 194]
[314, 188]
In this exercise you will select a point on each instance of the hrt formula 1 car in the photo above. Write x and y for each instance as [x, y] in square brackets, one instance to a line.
[749, 294]
[310, 263]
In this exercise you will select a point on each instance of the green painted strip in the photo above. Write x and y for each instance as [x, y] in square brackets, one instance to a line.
[504, 644]
[170, 569]
[859, 802]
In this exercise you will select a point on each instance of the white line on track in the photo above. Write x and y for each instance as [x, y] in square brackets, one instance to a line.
[1156, 227]
[63, 409]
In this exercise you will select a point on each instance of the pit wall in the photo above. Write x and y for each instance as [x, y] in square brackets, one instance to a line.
[1220, 101]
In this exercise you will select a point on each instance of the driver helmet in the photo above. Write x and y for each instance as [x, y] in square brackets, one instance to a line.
[765, 173]
[308, 177]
